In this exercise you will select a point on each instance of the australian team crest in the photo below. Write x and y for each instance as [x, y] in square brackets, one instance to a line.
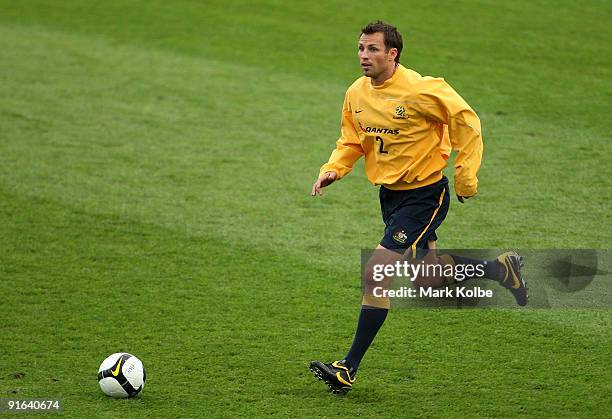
[400, 112]
[400, 236]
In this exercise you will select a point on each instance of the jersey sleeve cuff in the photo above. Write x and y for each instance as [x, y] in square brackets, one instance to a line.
[465, 190]
[327, 168]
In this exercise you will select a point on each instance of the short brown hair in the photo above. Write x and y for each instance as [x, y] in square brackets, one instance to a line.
[393, 39]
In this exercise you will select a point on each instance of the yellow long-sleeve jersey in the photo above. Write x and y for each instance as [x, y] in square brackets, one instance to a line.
[406, 128]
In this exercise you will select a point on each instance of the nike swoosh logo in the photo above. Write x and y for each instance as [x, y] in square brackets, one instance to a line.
[511, 272]
[359, 111]
[517, 283]
[115, 372]
[343, 381]
[339, 377]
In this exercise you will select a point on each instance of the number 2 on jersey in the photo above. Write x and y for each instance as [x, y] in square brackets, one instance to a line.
[381, 149]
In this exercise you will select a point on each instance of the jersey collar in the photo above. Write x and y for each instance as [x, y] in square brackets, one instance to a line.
[389, 81]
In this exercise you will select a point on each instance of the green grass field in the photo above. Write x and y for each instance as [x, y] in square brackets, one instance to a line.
[156, 160]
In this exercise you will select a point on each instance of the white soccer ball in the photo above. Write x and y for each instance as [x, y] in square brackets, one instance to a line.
[121, 375]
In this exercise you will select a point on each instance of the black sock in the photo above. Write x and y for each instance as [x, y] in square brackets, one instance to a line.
[370, 321]
[492, 268]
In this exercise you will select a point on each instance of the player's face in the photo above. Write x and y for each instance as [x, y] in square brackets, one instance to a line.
[375, 61]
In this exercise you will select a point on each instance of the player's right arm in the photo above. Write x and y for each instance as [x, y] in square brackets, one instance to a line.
[348, 150]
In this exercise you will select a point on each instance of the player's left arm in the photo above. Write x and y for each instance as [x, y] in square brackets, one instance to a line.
[437, 100]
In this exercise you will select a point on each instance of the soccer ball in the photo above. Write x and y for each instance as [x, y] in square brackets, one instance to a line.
[121, 375]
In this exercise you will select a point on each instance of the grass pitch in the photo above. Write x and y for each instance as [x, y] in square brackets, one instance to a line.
[155, 164]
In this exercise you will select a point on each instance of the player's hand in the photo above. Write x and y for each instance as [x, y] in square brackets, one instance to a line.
[324, 180]
[462, 198]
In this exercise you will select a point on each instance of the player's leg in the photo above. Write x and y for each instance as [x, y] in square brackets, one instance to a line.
[340, 375]
[505, 269]
[374, 305]
[409, 218]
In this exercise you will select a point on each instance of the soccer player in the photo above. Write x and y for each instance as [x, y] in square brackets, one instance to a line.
[405, 126]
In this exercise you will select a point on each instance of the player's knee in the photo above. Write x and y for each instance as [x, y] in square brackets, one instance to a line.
[372, 281]
[432, 274]
[376, 271]
[421, 282]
